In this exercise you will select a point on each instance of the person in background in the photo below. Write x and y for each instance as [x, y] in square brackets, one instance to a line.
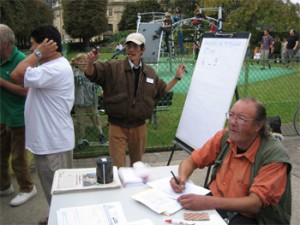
[292, 42]
[178, 16]
[199, 15]
[276, 50]
[213, 27]
[49, 125]
[86, 102]
[265, 48]
[283, 49]
[12, 131]
[119, 47]
[256, 53]
[166, 27]
[130, 90]
[251, 177]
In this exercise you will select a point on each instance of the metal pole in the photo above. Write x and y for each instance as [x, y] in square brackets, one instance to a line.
[220, 18]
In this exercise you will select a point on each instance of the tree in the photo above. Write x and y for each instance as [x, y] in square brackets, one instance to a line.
[129, 16]
[188, 7]
[256, 15]
[85, 19]
[22, 17]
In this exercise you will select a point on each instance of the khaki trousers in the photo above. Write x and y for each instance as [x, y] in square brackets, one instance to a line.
[120, 138]
[46, 166]
[12, 143]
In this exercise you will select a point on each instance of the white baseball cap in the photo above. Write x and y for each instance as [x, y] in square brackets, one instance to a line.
[137, 38]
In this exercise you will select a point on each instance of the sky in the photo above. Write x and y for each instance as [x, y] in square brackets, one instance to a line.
[295, 1]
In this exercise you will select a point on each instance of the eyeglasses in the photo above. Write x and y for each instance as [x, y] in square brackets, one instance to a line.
[240, 120]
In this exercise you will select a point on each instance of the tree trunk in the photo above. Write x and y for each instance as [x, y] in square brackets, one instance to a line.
[86, 43]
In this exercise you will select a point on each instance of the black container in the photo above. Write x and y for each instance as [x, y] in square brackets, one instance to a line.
[104, 170]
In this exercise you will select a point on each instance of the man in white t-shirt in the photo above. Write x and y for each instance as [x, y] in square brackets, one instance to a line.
[49, 126]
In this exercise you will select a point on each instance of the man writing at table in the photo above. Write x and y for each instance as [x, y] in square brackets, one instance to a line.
[252, 183]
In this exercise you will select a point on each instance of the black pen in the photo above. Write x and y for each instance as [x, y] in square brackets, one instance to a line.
[177, 182]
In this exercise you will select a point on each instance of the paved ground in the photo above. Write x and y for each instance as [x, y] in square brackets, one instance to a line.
[36, 208]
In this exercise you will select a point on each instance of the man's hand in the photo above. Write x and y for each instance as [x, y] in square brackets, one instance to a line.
[195, 202]
[178, 187]
[180, 71]
[92, 56]
[47, 48]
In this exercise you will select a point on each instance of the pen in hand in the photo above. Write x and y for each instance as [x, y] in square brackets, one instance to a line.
[177, 182]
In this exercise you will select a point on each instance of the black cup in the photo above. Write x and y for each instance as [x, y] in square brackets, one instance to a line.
[104, 170]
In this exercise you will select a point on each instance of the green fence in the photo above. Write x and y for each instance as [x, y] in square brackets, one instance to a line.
[277, 87]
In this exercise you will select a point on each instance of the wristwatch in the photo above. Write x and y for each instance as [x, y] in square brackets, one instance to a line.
[38, 53]
[178, 78]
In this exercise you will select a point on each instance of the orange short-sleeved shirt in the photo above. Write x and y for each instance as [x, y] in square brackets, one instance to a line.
[232, 179]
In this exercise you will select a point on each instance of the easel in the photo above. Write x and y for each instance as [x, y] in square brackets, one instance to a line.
[204, 110]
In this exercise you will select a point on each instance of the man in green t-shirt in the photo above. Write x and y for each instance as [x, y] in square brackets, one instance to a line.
[12, 131]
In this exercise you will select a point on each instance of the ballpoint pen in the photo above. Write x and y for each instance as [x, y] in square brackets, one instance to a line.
[177, 182]
[177, 221]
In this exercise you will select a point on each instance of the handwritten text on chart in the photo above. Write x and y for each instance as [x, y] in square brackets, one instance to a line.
[226, 43]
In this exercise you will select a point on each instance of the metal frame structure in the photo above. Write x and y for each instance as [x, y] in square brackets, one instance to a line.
[157, 50]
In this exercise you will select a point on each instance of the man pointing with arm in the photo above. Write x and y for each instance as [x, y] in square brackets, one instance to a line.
[130, 89]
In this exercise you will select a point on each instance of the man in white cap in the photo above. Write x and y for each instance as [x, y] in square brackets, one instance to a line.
[130, 89]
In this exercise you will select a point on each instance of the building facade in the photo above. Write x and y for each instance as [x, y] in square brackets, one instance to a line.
[115, 10]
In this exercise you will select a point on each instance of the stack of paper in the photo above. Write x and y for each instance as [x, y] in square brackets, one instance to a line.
[110, 213]
[129, 177]
[162, 199]
[80, 179]
[104, 214]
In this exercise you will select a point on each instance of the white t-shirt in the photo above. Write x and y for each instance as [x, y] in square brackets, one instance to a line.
[48, 123]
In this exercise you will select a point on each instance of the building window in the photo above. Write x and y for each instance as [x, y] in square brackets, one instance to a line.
[110, 27]
[110, 12]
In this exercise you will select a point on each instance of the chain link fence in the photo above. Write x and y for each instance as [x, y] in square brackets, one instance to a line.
[277, 86]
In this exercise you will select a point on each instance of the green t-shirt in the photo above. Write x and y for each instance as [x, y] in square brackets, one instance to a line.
[11, 105]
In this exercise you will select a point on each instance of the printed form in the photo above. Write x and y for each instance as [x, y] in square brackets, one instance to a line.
[162, 199]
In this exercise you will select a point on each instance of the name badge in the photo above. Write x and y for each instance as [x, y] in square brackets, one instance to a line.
[149, 80]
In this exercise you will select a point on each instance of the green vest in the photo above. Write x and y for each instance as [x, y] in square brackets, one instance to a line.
[270, 150]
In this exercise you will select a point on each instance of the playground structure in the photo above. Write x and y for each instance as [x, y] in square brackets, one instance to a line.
[156, 47]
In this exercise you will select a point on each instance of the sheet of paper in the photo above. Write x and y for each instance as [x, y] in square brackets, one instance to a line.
[80, 179]
[158, 201]
[164, 185]
[105, 214]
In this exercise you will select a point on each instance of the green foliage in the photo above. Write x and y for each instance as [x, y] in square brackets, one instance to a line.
[22, 16]
[85, 19]
[187, 7]
[120, 36]
[129, 16]
[256, 15]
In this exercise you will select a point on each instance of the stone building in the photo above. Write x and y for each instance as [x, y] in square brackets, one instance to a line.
[115, 9]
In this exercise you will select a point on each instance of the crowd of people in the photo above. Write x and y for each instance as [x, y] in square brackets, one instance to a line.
[276, 50]
[251, 185]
